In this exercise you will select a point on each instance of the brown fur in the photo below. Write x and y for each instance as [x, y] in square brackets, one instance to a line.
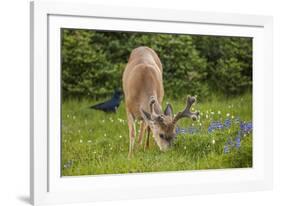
[144, 92]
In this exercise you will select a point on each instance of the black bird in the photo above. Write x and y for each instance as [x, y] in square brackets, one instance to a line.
[110, 105]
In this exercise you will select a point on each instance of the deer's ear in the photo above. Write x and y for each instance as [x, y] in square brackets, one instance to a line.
[145, 115]
[169, 110]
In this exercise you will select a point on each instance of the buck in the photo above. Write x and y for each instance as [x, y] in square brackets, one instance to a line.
[144, 92]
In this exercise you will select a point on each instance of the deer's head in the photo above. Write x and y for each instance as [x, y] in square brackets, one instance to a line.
[163, 125]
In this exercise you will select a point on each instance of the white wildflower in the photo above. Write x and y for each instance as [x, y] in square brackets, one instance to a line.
[213, 141]
[219, 112]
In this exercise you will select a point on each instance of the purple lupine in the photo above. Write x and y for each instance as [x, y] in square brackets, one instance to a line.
[246, 127]
[226, 149]
[181, 130]
[227, 123]
[192, 130]
[177, 130]
[215, 125]
[237, 142]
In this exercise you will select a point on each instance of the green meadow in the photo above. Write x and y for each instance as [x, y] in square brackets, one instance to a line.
[94, 142]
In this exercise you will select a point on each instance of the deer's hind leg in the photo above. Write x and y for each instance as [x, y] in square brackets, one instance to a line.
[132, 133]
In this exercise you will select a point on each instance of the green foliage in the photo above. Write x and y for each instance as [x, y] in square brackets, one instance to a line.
[229, 62]
[93, 62]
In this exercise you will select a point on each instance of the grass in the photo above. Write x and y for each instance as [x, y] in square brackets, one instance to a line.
[95, 143]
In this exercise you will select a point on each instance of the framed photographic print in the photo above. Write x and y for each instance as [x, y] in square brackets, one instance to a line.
[126, 105]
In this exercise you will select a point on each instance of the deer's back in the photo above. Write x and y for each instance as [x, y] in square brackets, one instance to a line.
[142, 78]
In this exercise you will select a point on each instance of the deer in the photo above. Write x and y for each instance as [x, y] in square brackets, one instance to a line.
[143, 89]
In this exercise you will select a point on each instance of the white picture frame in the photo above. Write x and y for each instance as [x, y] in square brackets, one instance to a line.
[47, 185]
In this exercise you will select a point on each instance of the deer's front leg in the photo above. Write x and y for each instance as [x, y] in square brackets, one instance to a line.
[141, 133]
[147, 138]
[132, 134]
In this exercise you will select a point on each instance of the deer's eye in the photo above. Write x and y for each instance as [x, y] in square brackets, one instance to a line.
[162, 136]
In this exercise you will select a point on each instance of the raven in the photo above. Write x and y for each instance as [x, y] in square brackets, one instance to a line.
[110, 105]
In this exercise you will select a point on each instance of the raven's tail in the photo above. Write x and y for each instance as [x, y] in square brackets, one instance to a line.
[96, 106]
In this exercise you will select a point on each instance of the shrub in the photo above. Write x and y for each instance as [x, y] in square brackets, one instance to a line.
[93, 62]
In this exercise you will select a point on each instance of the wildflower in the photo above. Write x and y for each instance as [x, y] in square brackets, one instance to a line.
[213, 141]
[81, 141]
[120, 136]
[226, 149]
[192, 130]
[184, 147]
[210, 129]
[219, 112]
[177, 130]
[207, 116]
[212, 113]
[227, 123]
[89, 141]
[67, 115]
[237, 142]
[246, 127]
[227, 114]
[232, 117]
[181, 130]
[104, 135]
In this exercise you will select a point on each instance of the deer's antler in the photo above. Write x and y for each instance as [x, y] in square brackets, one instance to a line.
[186, 112]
